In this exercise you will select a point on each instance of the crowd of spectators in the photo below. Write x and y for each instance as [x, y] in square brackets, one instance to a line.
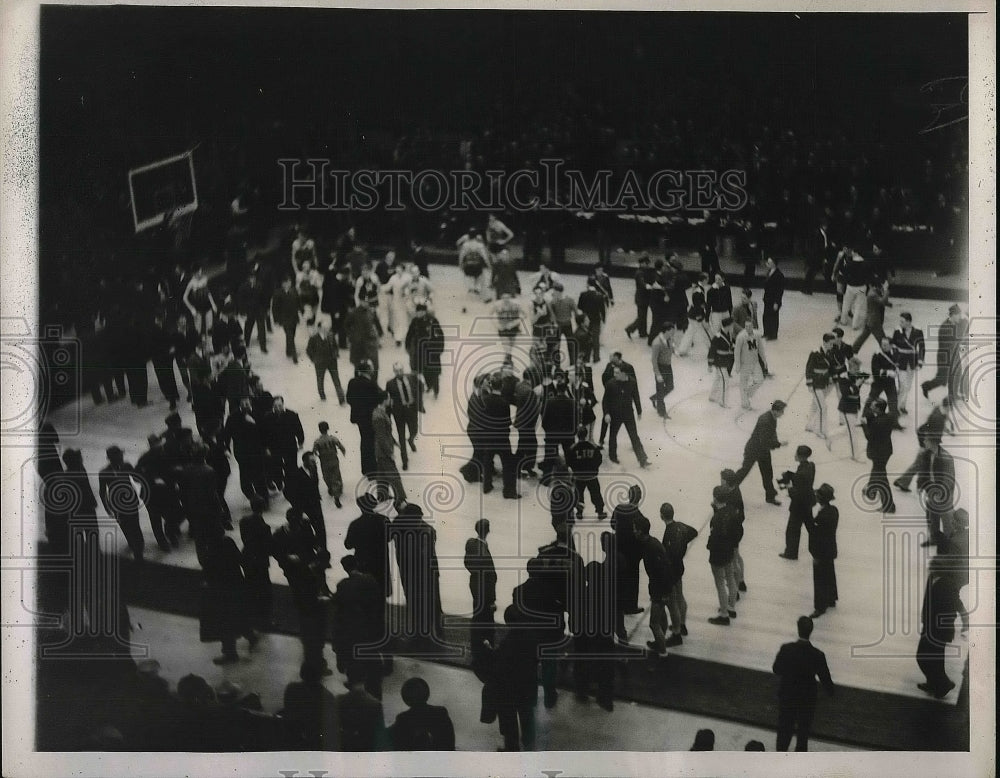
[811, 145]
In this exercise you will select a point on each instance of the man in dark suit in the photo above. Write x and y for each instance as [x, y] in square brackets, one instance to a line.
[482, 572]
[200, 499]
[726, 532]
[362, 723]
[482, 582]
[941, 605]
[624, 520]
[662, 579]
[363, 396]
[594, 644]
[774, 290]
[877, 425]
[158, 491]
[407, 394]
[595, 305]
[709, 256]
[559, 422]
[416, 556]
[956, 546]
[951, 338]
[937, 425]
[644, 278]
[735, 501]
[620, 395]
[120, 499]
[362, 328]
[387, 476]
[818, 244]
[310, 712]
[359, 624]
[423, 727]
[368, 537]
[323, 351]
[284, 436]
[527, 409]
[823, 548]
[937, 484]
[233, 384]
[161, 353]
[302, 492]
[659, 303]
[243, 434]
[801, 500]
[251, 301]
[495, 438]
[285, 307]
[424, 344]
[338, 299]
[798, 665]
[295, 548]
[226, 332]
[763, 440]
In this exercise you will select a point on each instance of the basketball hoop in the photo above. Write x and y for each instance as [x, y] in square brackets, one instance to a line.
[163, 192]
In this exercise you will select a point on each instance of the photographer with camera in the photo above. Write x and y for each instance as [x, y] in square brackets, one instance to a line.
[878, 424]
[801, 500]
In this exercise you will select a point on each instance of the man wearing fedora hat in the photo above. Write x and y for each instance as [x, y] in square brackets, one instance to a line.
[823, 548]
[416, 557]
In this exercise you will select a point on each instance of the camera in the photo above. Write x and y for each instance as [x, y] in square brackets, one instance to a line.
[785, 480]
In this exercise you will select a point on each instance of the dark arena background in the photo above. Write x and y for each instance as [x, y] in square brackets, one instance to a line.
[847, 140]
